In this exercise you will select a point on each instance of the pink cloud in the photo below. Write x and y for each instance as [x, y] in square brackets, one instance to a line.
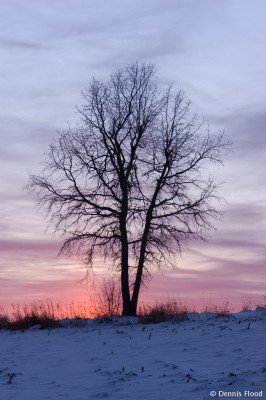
[30, 246]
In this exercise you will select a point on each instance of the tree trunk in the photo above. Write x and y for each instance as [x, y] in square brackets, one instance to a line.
[135, 295]
[124, 268]
[125, 290]
[137, 285]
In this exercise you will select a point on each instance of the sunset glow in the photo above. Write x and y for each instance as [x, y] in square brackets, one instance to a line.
[215, 52]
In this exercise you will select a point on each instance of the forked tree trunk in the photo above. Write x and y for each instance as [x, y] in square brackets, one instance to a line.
[137, 285]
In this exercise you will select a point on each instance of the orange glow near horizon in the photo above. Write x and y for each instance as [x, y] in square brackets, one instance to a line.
[72, 297]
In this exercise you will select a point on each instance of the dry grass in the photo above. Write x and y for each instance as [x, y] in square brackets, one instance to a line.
[4, 319]
[47, 315]
[169, 311]
[219, 310]
[44, 314]
[249, 305]
[261, 304]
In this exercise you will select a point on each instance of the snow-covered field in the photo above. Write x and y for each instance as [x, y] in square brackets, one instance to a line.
[190, 360]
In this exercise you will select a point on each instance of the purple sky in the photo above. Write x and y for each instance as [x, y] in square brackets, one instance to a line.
[214, 51]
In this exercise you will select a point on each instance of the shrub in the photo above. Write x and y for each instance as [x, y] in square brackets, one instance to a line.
[247, 306]
[26, 316]
[170, 311]
[28, 322]
[108, 300]
[220, 311]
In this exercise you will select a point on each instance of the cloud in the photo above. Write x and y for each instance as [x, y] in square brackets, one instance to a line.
[41, 247]
[228, 282]
[247, 127]
[20, 44]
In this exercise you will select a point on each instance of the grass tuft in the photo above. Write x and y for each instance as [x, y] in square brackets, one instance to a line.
[222, 310]
[170, 311]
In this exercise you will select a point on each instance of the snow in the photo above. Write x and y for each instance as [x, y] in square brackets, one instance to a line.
[126, 360]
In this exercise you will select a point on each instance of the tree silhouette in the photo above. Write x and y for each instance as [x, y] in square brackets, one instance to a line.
[129, 181]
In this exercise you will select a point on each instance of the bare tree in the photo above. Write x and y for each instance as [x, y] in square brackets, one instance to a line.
[129, 181]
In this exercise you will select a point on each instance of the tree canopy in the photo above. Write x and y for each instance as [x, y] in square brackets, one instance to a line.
[129, 181]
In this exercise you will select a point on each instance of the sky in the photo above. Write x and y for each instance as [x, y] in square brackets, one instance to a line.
[213, 50]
